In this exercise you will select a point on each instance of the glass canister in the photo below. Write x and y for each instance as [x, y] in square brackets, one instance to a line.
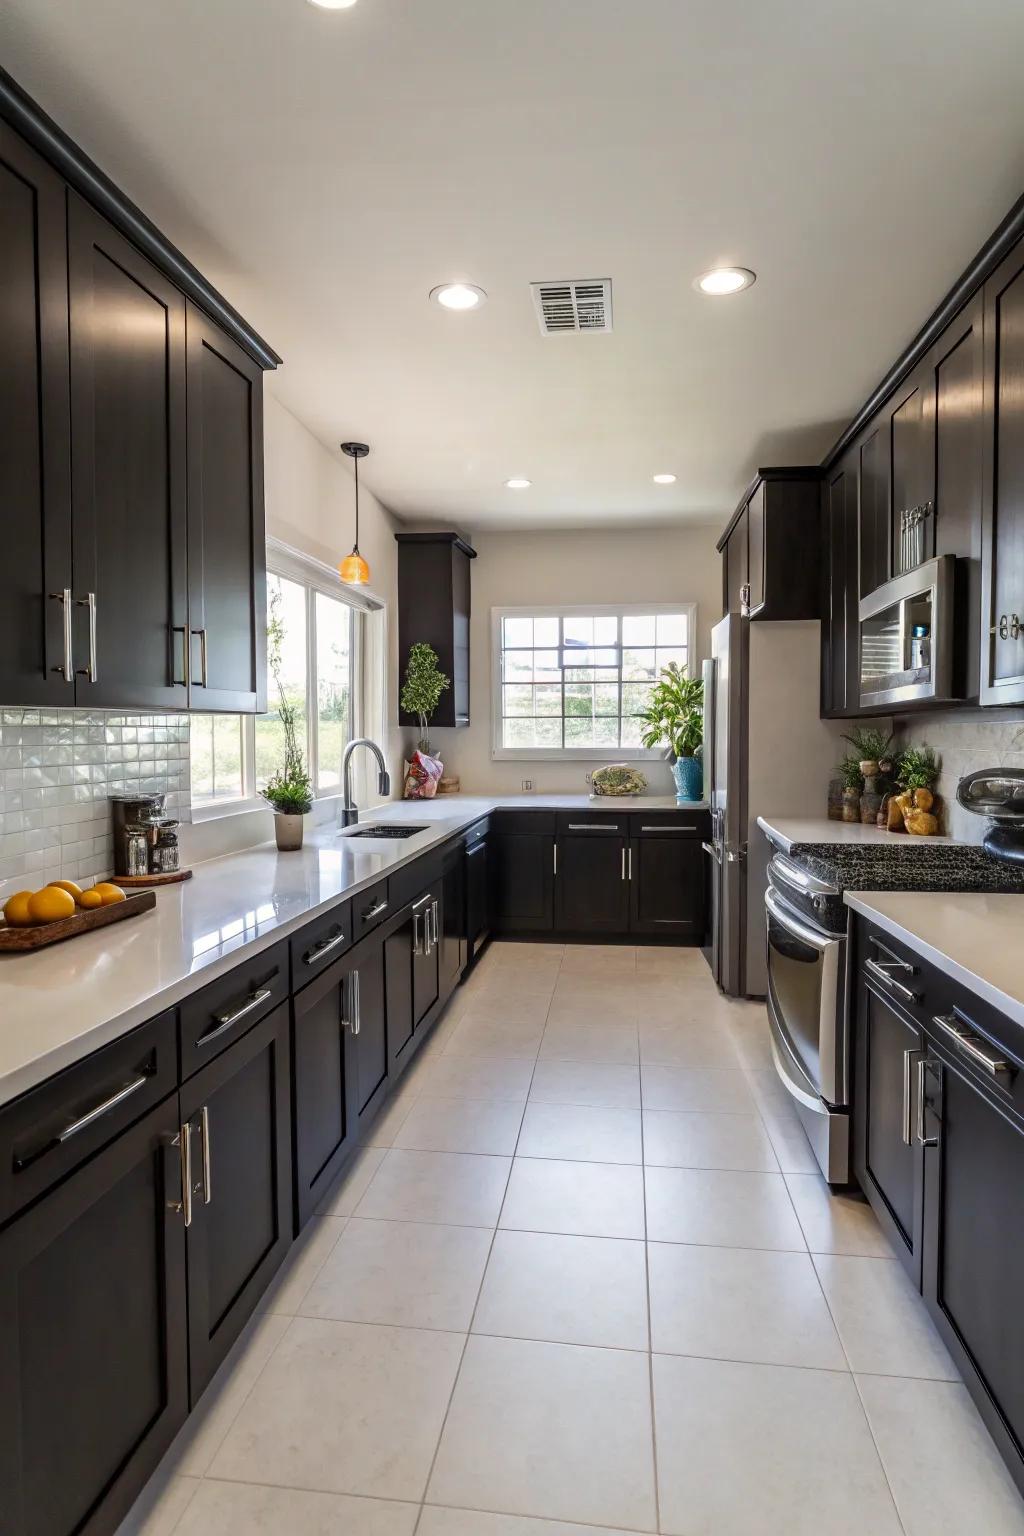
[136, 849]
[164, 857]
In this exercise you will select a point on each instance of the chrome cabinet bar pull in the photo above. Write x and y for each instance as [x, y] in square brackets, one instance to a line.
[880, 973]
[437, 935]
[923, 1140]
[203, 657]
[375, 911]
[92, 1115]
[477, 848]
[554, 858]
[593, 826]
[186, 1172]
[182, 630]
[68, 669]
[92, 670]
[685, 831]
[319, 950]
[975, 1046]
[623, 863]
[225, 1020]
[629, 863]
[353, 1021]
[207, 1186]
[907, 1117]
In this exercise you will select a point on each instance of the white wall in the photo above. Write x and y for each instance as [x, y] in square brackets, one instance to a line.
[609, 566]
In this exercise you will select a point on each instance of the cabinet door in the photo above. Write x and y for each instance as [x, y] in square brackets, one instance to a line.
[973, 1246]
[368, 1017]
[592, 884]
[666, 885]
[1002, 671]
[911, 417]
[128, 471]
[957, 363]
[887, 1160]
[324, 1099]
[424, 955]
[523, 876]
[755, 550]
[93, 1358]
[238, 1114]
[452, 938]
[478, 897]
[35, 445]
[875, 522]
[736, 567]
[398, 947]
[840, 632]
[227, 577]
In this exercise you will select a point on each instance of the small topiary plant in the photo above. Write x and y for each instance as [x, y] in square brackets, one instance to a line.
[423, 687]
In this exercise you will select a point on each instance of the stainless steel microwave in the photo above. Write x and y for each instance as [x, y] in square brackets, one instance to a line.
[906, 636]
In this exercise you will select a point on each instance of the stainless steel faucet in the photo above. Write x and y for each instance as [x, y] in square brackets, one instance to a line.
[349, 809]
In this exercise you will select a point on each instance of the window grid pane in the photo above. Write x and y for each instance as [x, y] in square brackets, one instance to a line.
[588, 692]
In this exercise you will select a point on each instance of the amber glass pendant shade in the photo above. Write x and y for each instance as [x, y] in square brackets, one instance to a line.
[353, 569]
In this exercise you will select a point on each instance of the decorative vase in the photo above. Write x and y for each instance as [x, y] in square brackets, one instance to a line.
[870, 799]
[835, 800]
[688, 773]
[851, 805]
[288, 831]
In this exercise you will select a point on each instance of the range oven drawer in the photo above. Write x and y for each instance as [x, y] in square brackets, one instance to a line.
[807, 997]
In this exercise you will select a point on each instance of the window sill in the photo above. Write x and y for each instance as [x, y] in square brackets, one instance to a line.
[217, 810]
[578, 754]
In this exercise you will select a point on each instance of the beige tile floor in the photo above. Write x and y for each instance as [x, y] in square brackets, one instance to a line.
[585, 1278]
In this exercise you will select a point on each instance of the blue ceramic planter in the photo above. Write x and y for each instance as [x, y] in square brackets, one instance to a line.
[688, 773]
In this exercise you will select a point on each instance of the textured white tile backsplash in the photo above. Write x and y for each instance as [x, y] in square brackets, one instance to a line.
[968, 741]
[58, 769]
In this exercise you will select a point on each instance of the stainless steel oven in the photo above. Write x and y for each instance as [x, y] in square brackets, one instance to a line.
[807, 987]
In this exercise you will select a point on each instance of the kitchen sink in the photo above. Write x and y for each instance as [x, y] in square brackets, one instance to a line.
[390, 832]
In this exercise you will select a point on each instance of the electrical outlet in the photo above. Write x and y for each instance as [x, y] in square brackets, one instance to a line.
[527, 783]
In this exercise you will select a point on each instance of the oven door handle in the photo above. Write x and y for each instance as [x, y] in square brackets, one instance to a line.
[799, 880]
[788, 920]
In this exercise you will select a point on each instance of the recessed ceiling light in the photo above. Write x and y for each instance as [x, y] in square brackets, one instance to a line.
[458, 296]
[664, 479]
[517, 483]
[333, 5]
[723, 280]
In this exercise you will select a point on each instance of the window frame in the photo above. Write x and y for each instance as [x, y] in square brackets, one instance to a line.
[314, 577]
[499, 752]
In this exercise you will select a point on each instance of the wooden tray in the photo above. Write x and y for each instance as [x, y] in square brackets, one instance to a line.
[141, 880]
[15, 940]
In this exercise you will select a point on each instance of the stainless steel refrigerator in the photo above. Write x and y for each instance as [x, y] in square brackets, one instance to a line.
[768, 753]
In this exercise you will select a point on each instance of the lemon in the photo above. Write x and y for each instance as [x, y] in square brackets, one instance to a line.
[50, 904]
[73, 890]
[90, 900]
[16, 909]
[108, 893]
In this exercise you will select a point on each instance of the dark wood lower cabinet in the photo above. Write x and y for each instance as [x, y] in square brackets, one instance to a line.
[591, 883]
[451, 958]
[237, 1115]
[323, 1075]
[666, 885]
[368, 1012]
[93, 1349]
[478, 897]
[523, 881]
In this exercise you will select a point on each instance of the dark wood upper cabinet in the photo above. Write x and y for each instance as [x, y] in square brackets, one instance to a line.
[1002, 568]
[839, 631]
[911, 421]
[736, 566]
[434, 609]
[771, 548]
[35, 449]
[875, 522]
[128, 470]
[227, 573]
[755, 550]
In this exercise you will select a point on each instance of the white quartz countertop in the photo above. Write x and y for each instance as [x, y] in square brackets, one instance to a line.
[974, 939]
[60, 1003]
[788, 832]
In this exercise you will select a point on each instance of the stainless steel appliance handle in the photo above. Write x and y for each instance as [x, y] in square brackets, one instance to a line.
[186, 1172]
[799, 879]
[715, 853]
[207, 1185]
[68, 669]
[225, 1020]
[984, 1055]
[923, 1140]
[92, 1115]
[879, 970]
[92, 670]
[593, 826]
[792, 924]
[319, 950]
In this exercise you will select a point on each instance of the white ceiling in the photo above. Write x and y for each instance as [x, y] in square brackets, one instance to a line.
[327, 169]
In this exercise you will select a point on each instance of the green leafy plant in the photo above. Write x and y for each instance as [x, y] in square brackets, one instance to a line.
[918, 767]
[675, 714]
[848, 772]
[423, 687]
[871, 745]
[290, 790]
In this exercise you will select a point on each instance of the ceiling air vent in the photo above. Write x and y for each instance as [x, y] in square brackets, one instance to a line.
[573, 306]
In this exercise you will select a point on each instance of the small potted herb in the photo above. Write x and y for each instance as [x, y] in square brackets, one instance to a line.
[852, 781]
[290, 791]
[675, 718]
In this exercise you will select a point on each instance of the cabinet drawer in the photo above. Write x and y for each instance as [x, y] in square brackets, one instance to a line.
[475, 833]
[593, 823]
[222, 1012]
[54, 1128]
[370, 908]
[897, 974]
[681, 824]
[523, 821]
[408, 883]
[320, 942]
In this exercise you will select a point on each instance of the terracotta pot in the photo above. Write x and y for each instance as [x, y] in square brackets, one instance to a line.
[288, 831]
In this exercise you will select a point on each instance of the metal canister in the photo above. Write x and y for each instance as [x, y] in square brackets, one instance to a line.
[164, 857]
[136, 849]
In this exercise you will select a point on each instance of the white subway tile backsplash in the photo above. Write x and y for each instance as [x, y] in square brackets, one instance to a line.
[58, 769]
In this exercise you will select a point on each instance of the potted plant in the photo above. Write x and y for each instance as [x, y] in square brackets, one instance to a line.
[852, 781]
[675, 717]
[873, 749]
[290, 791]
[421, 694]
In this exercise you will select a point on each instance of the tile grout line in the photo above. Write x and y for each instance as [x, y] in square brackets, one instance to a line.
[650, 1323]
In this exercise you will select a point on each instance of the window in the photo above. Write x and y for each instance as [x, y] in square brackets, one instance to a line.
[314, 643]
[571, 682]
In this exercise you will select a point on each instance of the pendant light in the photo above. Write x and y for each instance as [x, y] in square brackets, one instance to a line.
[354, 568]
